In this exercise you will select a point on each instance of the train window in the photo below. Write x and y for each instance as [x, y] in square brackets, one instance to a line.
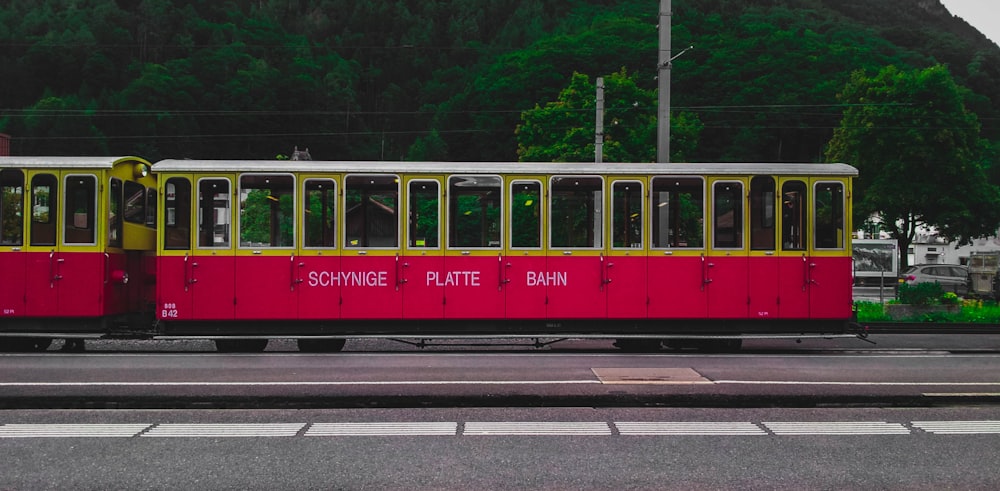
[525, 214]
[626, 214]
[576, 212]
[115, 213]
[320, 208]
[11, 207]
[151, 208]
[371, 211]
[177, 209]
[678, 212]
[762, 222]
[474, 218]
[727, 215]
[214, 215]
[44, 201]
[793, 216]
[829, 219]
[424, 227]
[81, 202]
[135, 202]
[267, 218]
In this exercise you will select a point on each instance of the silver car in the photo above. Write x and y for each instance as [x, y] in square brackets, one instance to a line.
[951, 277]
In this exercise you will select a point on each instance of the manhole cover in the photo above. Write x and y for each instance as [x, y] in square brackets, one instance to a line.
[649, 376]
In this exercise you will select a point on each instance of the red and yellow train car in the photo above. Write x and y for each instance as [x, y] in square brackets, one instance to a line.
[321, 251]
[77, 240]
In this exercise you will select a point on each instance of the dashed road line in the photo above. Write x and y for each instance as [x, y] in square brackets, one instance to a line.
[224, 430]
[383, 429]
[959, 427]
[684, 428]
[71, 430]
[498, 428]
[836, 428]
[548, 428]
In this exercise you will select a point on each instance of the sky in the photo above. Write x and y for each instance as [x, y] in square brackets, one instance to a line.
[981, 14]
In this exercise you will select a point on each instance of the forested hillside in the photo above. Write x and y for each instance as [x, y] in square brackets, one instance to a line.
[433, 79]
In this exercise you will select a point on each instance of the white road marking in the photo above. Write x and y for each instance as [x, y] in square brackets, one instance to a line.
[958, 427]
[837, 428]
[291, 383]
[200, 430]
[414, 428]
[71, 430]
[640, 428]
[480, 428]
[496, 428]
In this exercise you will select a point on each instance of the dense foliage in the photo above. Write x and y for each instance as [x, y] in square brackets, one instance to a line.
[435, 79]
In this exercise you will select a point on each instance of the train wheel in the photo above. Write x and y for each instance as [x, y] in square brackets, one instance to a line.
[633, 345]
[321, 345]
[240, 345]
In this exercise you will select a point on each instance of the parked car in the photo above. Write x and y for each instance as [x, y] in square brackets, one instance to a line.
[951, 277]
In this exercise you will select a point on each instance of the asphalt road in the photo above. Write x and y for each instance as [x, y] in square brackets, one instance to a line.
[502, 448]
[909, 412]
[896, 370]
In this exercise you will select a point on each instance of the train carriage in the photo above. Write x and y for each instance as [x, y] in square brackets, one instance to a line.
[321, 251]
[77, 240]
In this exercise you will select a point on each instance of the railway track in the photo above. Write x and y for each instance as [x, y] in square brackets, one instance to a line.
[930, 328]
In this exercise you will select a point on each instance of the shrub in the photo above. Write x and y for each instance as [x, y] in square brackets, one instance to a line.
[921, 293]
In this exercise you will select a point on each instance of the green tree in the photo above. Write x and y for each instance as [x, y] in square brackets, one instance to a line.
[919, 155]
[563, 130]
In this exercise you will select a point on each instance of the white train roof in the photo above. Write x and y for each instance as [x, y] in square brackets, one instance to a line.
[521, 168]
[56, 162]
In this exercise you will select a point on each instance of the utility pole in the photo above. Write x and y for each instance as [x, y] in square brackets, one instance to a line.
[663, 82]
[599, 126]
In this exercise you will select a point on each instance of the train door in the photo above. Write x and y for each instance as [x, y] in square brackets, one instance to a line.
[763, 261]
[63, 246]
[525, 275]
[423, 256]
[625, 267]
[13, 259]
[265, 270]
[830, 263]
[212, 268]
[676, 275]
[726, 266]
[794, 253]
[175, 282]
[576, 285]
[371, 266]
[474, 263]
[317, 267]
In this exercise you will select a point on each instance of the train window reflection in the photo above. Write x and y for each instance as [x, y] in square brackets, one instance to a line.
[320, 210]
[177, 209]
[577, 215]
[727, 215]
[525, 214]
[115, 213]
[371, 211]
[424, 227]
[81, 206]
[474, 211]
[626, 214]
[829, 220]
[266, 216]
[678, 211]
[762, 222]
[214, 213]
[11, 207]
[793, 216]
